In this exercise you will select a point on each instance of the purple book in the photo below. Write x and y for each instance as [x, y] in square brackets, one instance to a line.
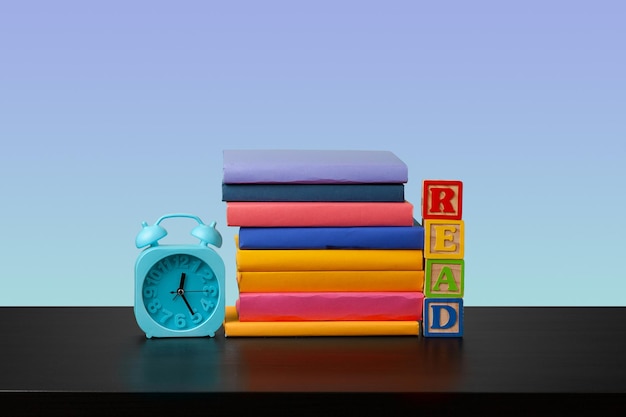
[281, 166]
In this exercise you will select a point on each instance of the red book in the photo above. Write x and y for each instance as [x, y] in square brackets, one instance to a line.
[318, 214]
[333, 306]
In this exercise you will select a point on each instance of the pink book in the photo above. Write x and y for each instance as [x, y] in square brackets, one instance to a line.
[318, 214]
[330, 306]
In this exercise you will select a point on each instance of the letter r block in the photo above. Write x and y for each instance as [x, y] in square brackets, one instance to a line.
[444, 278]
[444, 239]
[443, 317]
[442, 199]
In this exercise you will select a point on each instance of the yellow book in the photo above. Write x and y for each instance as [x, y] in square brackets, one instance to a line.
[329, 260]
[234, 328]
[320, 281]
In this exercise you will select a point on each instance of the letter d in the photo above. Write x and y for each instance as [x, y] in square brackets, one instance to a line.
[436, 315]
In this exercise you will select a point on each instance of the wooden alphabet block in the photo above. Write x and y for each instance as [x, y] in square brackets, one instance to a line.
[442, 199]
[443, 317]
[444, 278]
[444, 239]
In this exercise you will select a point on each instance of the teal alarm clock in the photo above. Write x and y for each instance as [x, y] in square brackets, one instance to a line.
[179, 289]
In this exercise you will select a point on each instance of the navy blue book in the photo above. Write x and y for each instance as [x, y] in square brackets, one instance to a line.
[370, 237]
[313, 192]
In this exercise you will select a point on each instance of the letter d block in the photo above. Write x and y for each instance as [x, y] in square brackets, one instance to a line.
[444, 278]
[442, 199]
[444, 239]
[443, 317]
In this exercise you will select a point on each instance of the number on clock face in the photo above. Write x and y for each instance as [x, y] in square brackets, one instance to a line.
[180, 292]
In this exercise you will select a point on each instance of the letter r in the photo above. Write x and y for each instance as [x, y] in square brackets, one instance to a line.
[442, 200]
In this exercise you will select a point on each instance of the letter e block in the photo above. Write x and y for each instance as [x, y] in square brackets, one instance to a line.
[444, 278]
[442, 199]
[444, 239]
[443, 317]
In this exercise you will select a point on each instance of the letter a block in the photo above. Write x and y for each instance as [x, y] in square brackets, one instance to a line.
[444, 239]
[444, 278]
[443, 317]
[442, 199]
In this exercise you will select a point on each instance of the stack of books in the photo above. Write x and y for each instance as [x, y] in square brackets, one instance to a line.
[327, 244]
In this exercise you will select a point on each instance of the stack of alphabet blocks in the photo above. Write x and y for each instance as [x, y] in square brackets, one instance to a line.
[327, 244]
[442, 203]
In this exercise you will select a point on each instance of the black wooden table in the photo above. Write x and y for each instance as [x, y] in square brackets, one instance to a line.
[96, 361]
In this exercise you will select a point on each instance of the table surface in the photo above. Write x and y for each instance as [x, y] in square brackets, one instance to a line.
[61, 351]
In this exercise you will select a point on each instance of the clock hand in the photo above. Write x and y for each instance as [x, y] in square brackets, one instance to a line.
[187, 302]
[180, 289]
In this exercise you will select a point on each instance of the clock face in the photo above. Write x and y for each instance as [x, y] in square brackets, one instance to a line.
[180, 292]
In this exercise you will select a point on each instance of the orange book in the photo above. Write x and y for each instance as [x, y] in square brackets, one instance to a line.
[235, 328]
[320, 281]
[329, 260]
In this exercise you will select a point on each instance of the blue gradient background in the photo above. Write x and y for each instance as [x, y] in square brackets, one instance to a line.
[116, 112]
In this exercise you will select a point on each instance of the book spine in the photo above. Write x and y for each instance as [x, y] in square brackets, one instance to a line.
[398, 237]
[313, 192]
[235, 328]
[327, 281]
[318, 214]
[338, 306]
[329, 260]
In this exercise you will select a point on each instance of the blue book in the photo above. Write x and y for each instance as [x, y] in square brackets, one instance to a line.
[313, 192]
[370, 237]
[300, 166]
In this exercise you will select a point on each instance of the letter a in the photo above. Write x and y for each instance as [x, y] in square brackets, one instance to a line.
[446, 276]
